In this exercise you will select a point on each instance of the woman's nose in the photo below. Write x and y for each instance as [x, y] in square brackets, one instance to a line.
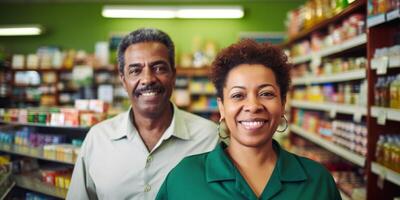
[253, 105]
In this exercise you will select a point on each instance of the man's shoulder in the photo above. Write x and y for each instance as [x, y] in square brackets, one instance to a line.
[109, 125]
[196, 120]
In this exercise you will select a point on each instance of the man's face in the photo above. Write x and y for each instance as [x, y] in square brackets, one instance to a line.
[148, 78]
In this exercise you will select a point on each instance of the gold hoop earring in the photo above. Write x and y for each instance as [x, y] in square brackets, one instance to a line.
[221, 123]
[286, 125]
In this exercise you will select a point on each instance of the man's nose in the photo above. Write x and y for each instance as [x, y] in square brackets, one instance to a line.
[148, 76]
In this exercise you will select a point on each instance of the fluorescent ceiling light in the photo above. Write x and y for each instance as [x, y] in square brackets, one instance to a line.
[204, 12]
[216, 12]
[138, 12]
[20, 30]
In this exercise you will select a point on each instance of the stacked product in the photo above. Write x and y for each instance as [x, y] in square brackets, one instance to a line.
[49, 146]
[312, 12]
[348, 134]
[337, 34]
[387, 151]
[85, 113]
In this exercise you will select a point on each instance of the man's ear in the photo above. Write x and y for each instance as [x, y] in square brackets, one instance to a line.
[122, 79]
[221, 108]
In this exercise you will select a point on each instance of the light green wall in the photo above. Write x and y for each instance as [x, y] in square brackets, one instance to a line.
[80, 25]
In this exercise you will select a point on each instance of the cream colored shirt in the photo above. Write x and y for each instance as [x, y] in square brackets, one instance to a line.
[114, 163]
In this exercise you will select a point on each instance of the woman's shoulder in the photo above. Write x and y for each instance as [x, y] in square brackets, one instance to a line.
[195, 164]
[311, 167]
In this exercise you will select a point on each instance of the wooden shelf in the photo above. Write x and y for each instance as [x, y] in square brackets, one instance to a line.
[330, 107]
[29, 152]
[383, 18]
[82, 128]
[360, 40]
[204, 71]
[338, 150]
[339, 77]
[385, 173]
[31, 183]
[358, 5]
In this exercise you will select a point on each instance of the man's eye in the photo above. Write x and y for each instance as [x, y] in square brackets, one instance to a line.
[160, 68]
[135, 70]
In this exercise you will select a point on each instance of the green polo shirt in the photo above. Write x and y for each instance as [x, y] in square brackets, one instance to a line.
[213, 176]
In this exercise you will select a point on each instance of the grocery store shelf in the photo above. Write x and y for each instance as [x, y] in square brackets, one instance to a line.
[338, 150]
[302, 59]
[29, 152]
[34, 184]
[387, 113]
[385, 173]
[344, 196]
[203, 93]
[44, 125]
[348, 44]
[358, 5]
[385, 62]
[339, 77]
[330, 107]
[203, 71]
[383, 18]
[206, 110]
[8, 190]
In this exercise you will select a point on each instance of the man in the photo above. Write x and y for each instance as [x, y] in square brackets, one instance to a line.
[129, 156]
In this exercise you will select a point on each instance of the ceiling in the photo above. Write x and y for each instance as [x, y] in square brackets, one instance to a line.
[143, 1]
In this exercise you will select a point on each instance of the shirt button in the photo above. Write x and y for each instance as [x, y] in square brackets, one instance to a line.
[148, 160]
[147, 188]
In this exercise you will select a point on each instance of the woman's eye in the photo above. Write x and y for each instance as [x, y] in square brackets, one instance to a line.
[236, 96]
[267, 94]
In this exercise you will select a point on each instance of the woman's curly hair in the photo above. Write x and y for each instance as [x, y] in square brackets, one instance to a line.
[250, 52]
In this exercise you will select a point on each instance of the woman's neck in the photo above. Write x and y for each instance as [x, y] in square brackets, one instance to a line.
[255, 164]
[257, 156]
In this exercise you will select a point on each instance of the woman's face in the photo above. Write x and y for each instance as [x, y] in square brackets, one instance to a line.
[252, 105]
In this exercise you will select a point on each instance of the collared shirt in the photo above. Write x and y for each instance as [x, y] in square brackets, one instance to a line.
[114, 162]
[213, 176]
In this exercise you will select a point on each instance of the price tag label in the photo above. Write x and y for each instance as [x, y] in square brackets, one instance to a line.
[381, 178]
[332, 113]
[383, 65]
[357, 116]
[394, 61]
[382, 117]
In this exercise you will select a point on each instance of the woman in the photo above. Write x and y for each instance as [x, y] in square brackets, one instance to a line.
[252, 81]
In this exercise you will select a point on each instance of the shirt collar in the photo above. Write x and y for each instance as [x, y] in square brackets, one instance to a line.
[177, 128]
[219, 167]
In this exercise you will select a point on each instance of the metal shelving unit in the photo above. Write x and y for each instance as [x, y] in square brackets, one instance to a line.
[349, 44]
[338, 150]
[330, 107]
[29, 152]
[31, 183]
[385, 173]
[339, 77]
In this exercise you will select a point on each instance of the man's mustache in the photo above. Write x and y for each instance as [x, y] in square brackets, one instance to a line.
[155, 87]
